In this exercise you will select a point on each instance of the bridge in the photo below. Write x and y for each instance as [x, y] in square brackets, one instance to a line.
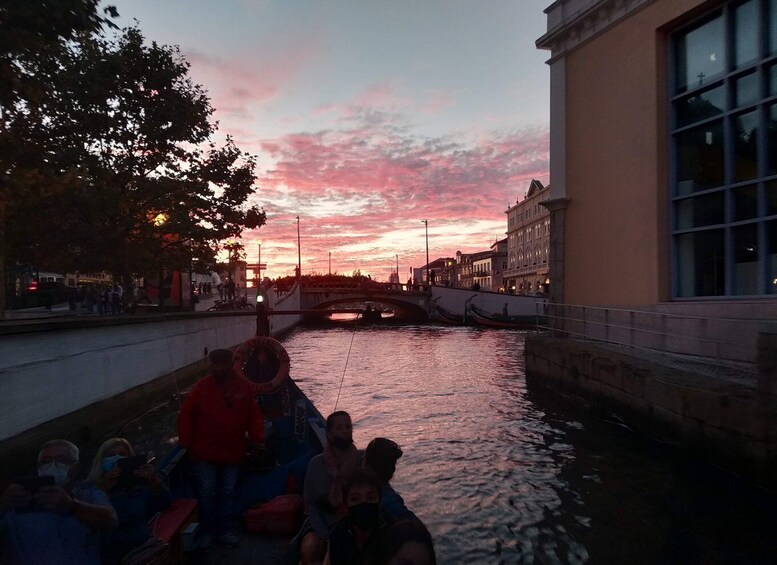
[408, 302]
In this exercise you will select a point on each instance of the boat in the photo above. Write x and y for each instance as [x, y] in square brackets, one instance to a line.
[448, 317]
[483, 318]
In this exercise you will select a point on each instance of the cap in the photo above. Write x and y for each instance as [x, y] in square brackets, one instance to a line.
[383, 450]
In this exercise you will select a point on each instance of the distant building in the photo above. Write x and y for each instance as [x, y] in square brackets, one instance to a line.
[528, 243]
[488, 266]
[663, 159]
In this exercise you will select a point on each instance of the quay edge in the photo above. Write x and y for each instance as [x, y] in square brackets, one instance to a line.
[732, 423]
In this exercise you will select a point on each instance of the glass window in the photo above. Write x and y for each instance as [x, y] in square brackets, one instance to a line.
[745, 202]
[701, 106]
[772, 19]
[700, 158]
[700, 55]
[772, 88]
[746, 259]
[745, 34]
[747, 90]
[700, 211]
[746, 146]
[771, 139]
[701, 263]
[771, 198]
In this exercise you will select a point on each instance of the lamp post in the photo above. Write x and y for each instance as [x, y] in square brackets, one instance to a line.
[299, 253]
[397, 257]
[426, 227]
[330, 263]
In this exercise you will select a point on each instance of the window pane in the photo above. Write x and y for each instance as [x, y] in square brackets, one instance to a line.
[771, 234]
[747, 90]
[701, 106]
[746, 202]
[700, 158]
[700, 211]
[746, 36]
[746, 259]
[772, 80]
[771, 198]
[772, 19]
[746, 146]
[771, 139]
[700, 55]
[700, 262]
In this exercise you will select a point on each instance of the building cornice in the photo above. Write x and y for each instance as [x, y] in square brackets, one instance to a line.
[572, 22]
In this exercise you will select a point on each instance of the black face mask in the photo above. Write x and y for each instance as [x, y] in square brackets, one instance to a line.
[365, 515]
[342, 443]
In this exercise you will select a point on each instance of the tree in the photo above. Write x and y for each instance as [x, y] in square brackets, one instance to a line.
[32, 32]
[143, 186]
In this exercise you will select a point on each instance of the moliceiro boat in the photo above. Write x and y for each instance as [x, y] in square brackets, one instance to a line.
[495, 320]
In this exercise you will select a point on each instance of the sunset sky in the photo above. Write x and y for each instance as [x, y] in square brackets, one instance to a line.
[369, 116]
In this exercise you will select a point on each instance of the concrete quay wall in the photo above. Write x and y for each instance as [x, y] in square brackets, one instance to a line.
[731, 424]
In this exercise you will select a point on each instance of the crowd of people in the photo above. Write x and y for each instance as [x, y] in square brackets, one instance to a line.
[353, 515]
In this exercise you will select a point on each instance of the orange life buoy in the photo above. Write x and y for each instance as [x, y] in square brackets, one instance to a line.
[240, 354]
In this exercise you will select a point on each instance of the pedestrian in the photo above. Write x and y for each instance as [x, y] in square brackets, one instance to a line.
[213, 423]
[220, 288]
[56, 523]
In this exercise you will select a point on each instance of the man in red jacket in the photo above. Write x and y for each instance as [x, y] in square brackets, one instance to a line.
[213, 423]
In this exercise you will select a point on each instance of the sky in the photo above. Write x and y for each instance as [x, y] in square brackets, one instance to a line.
[368, 117]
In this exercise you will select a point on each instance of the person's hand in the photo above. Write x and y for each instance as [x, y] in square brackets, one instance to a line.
[53, 499]
[15, 496]
[110, 478]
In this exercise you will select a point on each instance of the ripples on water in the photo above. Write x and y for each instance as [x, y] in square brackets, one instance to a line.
[505, 473]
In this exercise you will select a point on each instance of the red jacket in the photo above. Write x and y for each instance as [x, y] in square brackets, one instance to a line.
[213, 421]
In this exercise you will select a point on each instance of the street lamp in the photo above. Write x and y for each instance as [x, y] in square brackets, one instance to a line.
[426, 227]
[397, 256]
[330, 263]
[299, 253]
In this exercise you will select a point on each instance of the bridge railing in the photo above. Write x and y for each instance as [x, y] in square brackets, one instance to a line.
[362, 285]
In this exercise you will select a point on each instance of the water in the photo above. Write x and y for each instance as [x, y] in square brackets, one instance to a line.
[505, 472]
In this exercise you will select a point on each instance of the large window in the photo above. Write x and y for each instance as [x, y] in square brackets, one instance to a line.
[724, 147]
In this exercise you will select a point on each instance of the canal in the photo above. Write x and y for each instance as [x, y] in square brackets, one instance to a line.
[502, 471]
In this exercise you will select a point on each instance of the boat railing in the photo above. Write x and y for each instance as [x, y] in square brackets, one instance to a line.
[718, 338]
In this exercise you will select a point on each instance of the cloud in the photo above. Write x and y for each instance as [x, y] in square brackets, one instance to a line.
[362, 189]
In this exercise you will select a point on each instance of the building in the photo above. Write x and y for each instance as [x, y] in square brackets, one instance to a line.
[528, 243]
[663, 155]
[488, 267]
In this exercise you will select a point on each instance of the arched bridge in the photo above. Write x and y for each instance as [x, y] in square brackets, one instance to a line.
[407, 302]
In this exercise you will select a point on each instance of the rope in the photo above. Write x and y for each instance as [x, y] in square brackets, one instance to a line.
[342, 379]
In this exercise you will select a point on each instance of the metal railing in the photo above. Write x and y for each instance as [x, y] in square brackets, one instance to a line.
[720, 338]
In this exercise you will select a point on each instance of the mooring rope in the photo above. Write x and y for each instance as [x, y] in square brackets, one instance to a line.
[342, 379]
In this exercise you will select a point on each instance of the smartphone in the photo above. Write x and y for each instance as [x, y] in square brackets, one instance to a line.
[32, 484]
[128, 466]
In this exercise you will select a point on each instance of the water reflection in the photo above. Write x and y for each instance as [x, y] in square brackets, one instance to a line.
[503, 472]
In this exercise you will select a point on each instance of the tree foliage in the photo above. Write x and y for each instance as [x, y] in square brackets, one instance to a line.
[112, 167]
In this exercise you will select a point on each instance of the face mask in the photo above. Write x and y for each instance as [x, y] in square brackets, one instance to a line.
[110, 462]
[342, 443]
[59, 471]
[365, 515]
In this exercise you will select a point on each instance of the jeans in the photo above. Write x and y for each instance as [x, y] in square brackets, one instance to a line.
[216, 486]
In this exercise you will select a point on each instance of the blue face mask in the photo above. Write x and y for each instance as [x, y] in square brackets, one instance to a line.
[110, 462]
[60, 472]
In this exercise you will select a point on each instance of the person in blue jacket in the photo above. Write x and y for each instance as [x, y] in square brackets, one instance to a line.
[136, 498]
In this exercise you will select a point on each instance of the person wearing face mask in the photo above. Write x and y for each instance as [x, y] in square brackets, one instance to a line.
[55, 524]
[323, 492]
[135, 499]
[354, 540]
[215, 418]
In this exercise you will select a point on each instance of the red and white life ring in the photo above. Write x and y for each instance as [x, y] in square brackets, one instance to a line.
[240, 354]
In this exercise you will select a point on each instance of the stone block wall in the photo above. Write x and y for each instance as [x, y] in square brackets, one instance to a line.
[730, 424]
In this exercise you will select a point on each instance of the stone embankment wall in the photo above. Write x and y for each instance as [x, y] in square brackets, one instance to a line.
[731, 423]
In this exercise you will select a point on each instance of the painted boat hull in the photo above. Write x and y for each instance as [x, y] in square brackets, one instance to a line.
[488, 319]
[448, 317]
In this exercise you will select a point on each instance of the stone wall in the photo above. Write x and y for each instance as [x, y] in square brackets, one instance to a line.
[731, 424]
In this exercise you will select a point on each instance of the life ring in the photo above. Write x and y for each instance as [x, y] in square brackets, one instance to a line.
[240, 354]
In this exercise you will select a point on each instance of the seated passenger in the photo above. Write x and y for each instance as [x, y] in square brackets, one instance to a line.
[406, 543]
[135, 498]
[355, 538]
[323, 491]
[381, 457]
[59, 523]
